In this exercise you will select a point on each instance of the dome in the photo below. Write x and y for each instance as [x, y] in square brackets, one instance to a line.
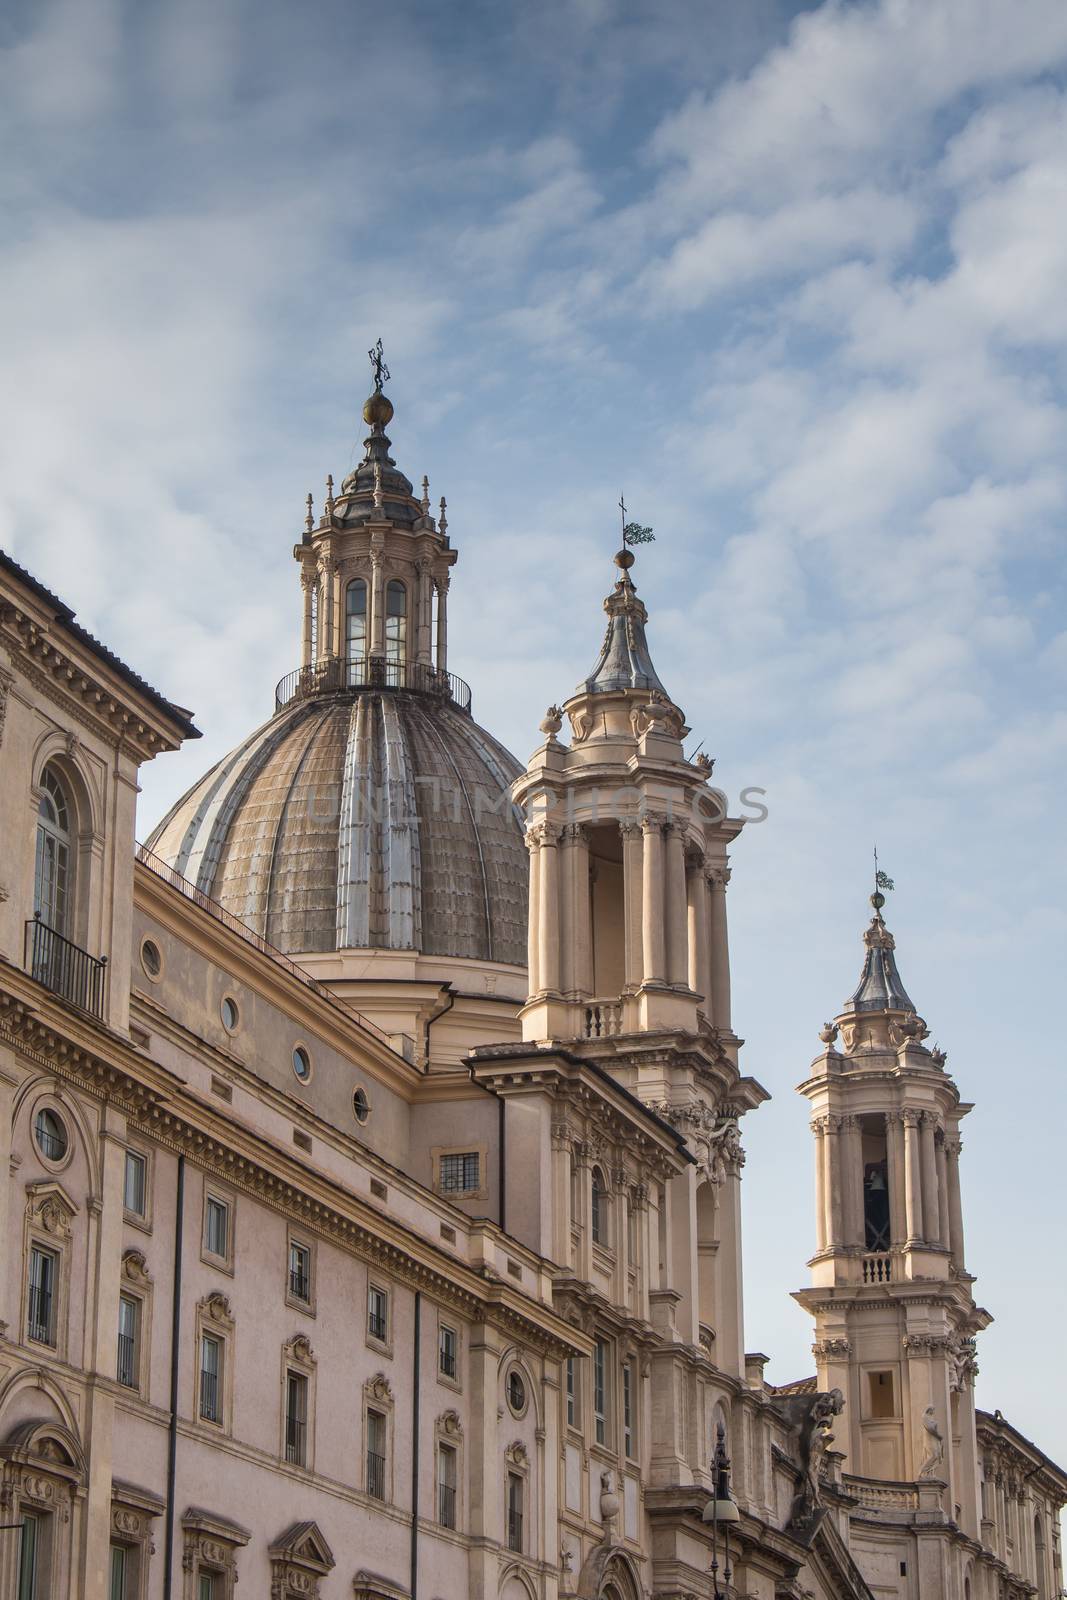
[361, 818]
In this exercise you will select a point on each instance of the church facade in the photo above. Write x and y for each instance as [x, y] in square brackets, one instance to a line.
[372, 1220]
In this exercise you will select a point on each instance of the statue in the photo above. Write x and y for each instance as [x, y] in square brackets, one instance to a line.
[811, 1416]
[936, 1447]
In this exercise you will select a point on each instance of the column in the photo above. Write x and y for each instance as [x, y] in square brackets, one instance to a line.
[442, 623]
[833, 1147]
[338, 612]
[720, 951]
[326, 609]
[533, 930]
[632, 868]
[677, 907]
[819, 1133]
[424, 611]
[931, 1219]
[377, 607]
[696, 889]
[953, 1146]
[307, 584]
[653, 943]
[913, 1204]
[101, 1337]
[852, 1157]
[894, 1146]
[942, 1188]
[577, 962]
[548, 910]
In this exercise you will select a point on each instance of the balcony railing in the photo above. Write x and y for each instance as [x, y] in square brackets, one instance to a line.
[209, 1395]
[603, 1019]
[295, 1439]
[66, 969]
[299, 1284]
[514, 1529]
[339, 675]
[878, 1268]
[446, 1505]
[39, 1314]
[127, 1367]
[376, 1325]
[375, 1475]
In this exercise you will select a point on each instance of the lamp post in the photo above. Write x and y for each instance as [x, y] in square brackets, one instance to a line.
[720, 1509]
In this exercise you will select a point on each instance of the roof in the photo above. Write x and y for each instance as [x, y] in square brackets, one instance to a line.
[996, 1422]
[624, 661]
[879, 988]
[63, 614]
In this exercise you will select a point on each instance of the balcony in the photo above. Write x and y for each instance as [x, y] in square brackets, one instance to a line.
[376, 1474]
[603, 1019]
[338, 675]
[446, 1505]
[70, 972]
[878, 1268]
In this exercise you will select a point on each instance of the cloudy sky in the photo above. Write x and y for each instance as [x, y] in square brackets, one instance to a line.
[793, 277]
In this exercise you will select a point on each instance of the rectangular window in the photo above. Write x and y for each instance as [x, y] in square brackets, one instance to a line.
[117, 1572]
[296, 1418]
[446, 1351]
[446, 1486]
[29, 1557]
[126, 1365]
[460, 1174]
[515, 1496]
[882, 1403]
[134, 1189]
[377, 1313]
[41, 1311]
[572, 1396]
[207, 1586]
[628, 1407]
[210, 1378]
[217, 1227]
[600, 1390]
[299, 1271]
[376, 1454]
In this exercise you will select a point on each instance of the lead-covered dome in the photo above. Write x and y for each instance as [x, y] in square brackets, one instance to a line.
[362, 818]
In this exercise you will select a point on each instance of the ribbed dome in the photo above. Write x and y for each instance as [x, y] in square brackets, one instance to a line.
[374, 818]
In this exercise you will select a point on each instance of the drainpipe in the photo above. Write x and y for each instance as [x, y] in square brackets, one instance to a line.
[175, 1352]
[445, 1004]
[414, 1584]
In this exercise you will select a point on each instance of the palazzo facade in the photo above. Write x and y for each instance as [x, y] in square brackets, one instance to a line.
[371, 1224]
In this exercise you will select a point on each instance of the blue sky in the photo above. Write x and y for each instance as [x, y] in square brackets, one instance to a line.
[792, 277]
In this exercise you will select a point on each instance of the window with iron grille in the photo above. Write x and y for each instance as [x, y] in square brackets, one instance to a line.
[296, 1418]
[446, 1351]
[299, 1271]
[210, 1378]
[377, 1313]
[461, 1173]
[129, 1318]
[41, 1307]
[376, 1454]
[134, 1183]
[446, 1485]
[516, 1487]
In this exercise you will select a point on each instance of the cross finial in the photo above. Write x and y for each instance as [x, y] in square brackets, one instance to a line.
[622, 508]
[381, 371]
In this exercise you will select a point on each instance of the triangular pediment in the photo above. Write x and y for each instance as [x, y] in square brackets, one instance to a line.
[305, 1546]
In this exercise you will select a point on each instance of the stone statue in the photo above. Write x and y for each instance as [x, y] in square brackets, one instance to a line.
[811, 1417]
[936, 1446]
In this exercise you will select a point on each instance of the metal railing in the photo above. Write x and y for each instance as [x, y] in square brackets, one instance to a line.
[376, 1325]
[209, 1395]
[375, 1475]
[295, 1439]
[514, 1529]
[39, 1314]
[65, 968]
[339, 675]
[446, 1505]
[126, 1370]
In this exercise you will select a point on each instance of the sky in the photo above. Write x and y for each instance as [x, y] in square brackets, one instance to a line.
[792, 278]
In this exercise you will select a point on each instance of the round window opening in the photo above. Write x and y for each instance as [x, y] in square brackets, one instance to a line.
[51, 1136]
[151, 960]
[301, 1063]
[361, 1106]
[230, 1014]
[516, 1393]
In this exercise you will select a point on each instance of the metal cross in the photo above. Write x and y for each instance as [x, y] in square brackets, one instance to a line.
[381, 371]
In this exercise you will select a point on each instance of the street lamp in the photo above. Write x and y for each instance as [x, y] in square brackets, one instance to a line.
[720, 1509]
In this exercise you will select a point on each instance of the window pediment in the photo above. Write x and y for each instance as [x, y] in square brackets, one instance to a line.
[372, 1586]
[48, 1447]
[303, 1545]
[49, 1207]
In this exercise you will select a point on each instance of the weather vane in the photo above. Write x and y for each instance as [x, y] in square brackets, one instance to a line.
[882, 880]
[381, 371]
[633, 532]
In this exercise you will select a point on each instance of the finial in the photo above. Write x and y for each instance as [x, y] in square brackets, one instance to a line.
[882, 880]
[381, 371]
[377, 486]
[309, 520]
[378, 410]
[425, 502]
[329, 488]
[442, 520]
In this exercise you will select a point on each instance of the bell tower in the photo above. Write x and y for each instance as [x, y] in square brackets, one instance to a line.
[891, 1295]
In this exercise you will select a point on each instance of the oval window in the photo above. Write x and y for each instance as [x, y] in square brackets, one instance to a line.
[231, 1016]
[361, 1106]
[151, 960]
[516, 1393]
[301, 1063]
[51, 1135]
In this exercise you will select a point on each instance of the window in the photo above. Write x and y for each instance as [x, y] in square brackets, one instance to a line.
[631, 1236]
[598, 1210]
[396, 621]
[216, 1227]
[207, 1586]
[516, 1392]
[299, 1272]
[231, 1016]
[376, 1454]
[356, 619]
[446, 1351]
[446, 1485]
[882, 1402]
[360, 1106]
[210, 1378]
[52, 875]
[628, 1396]
[296, 1418]
[515, 1499]
[51, 1135]
[377, 1314]
[301, 1063]
[41, 1310]
[151, 959]
[460, 1173]
[118, 1567]
[600, 1390]
[134, 1187]
[572, 1394]
[129, 1320]
[29, 1557]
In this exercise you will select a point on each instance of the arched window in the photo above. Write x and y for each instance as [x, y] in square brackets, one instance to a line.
[356, 620]
[53, 878]
[396, 621]
[598, 1209]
